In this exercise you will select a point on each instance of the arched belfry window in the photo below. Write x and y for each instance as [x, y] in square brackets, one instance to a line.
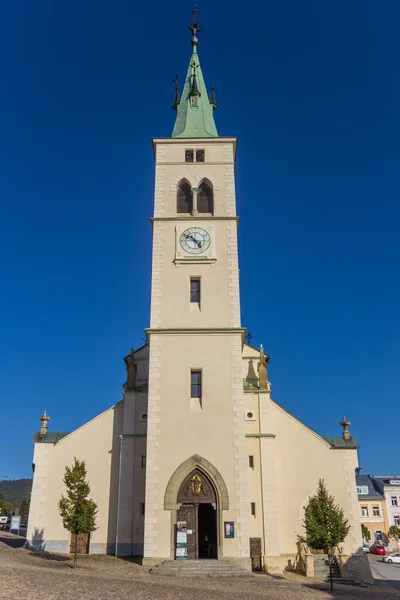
[184, 197]
[205, 198]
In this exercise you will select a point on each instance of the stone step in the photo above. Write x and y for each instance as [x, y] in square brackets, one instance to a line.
[200, 568]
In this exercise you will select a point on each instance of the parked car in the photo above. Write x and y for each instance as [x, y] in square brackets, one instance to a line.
[366, 549]
[377, 549]
[392, 558]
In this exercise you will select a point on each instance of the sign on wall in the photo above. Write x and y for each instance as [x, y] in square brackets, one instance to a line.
[229, 527]
[181, 540]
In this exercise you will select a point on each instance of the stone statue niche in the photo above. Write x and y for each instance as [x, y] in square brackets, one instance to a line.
[131, 370]
[263, 370]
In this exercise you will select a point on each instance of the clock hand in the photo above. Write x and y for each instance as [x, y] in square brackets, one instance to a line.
[199, 243]
[193, 239]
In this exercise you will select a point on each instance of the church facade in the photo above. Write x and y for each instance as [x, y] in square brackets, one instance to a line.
[197, 460]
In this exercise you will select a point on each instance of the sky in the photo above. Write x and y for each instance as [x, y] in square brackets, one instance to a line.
[312, 91]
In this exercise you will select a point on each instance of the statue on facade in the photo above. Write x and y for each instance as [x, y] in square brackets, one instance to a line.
[131, 370]
[263, 370]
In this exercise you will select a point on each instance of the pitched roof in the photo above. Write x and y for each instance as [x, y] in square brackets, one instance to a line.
[373, 490]
[389, 480]
[51, 437]
[340, 442]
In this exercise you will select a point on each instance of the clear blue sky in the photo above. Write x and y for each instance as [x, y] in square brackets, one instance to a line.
[312, 91]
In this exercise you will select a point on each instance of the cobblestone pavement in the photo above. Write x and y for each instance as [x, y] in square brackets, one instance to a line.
[40, 576]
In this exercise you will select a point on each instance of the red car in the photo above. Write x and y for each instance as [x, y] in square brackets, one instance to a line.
[377, 549]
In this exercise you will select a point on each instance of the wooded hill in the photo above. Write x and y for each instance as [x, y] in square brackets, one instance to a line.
[16, 490]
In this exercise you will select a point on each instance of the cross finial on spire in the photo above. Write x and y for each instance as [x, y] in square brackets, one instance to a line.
[194, 28]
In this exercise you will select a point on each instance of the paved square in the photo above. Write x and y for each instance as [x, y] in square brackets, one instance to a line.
[40, 576]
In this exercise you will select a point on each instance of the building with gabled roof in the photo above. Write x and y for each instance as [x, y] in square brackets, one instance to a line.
[197, 460]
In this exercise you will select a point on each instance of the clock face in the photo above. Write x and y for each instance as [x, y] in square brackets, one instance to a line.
[195, 240]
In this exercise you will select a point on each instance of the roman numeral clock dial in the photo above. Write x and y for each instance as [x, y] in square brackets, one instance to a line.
[195, 240]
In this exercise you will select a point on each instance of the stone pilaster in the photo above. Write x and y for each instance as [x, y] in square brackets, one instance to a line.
[153, 432]
[125, 487]
[268, 478]
[239, 450]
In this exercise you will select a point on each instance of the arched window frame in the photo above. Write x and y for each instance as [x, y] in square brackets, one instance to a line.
[210, 199]
[189, 196]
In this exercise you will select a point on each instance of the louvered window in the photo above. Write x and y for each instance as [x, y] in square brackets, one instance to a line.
[184, 198]
[205, 199]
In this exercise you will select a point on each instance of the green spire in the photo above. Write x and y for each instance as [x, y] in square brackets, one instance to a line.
[195, 117]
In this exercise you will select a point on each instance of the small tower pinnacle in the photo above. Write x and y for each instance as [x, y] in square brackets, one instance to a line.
[44, 418]
[177, 99]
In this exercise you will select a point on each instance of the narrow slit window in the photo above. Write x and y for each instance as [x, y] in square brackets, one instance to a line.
[142, 508]
[205, 198]
[251, 462]
[143, 461]
[189, 155]
[195, 289]
[253, 509]
[200, 155]
[184, 198]
[195, 384]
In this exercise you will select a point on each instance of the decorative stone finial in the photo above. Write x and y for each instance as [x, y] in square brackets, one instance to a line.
[263, 370]
[44, 418]
[194, 28]
[345, 424]
[131, 369]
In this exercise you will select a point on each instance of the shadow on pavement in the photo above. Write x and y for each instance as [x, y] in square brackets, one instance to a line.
[12, 541]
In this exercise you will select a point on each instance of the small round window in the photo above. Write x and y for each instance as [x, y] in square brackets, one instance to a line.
[143, 417]
[249, 415]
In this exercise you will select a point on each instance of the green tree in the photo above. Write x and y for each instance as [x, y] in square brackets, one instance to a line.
[24, 510]
[394, 532]
[324, 523]
[365, 532]
[6, 508]
[77, 510]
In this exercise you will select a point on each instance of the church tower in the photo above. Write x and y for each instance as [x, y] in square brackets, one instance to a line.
[196, 489]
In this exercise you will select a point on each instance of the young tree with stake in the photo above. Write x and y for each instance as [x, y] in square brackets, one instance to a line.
[77, 510]
[325, 523]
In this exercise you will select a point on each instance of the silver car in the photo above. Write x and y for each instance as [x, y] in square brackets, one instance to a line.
[393, 558]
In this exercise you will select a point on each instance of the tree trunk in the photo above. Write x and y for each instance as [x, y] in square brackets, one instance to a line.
[330, 570]
[76, 549]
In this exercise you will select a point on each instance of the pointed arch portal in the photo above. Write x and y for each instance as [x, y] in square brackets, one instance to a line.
[196, 494]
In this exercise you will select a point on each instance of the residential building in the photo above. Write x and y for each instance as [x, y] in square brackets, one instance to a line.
[389, 486]
[372, 505]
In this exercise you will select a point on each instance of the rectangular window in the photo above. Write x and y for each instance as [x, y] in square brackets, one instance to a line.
[253, 509]
[364, 511]
[200, 155]
[194, 289]
[396, 520]
[251, 462]
[143, 461]
[375, 511]
[362, 489]
[189, 155]
[195, 380]
[394, 501]
[142, 508]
